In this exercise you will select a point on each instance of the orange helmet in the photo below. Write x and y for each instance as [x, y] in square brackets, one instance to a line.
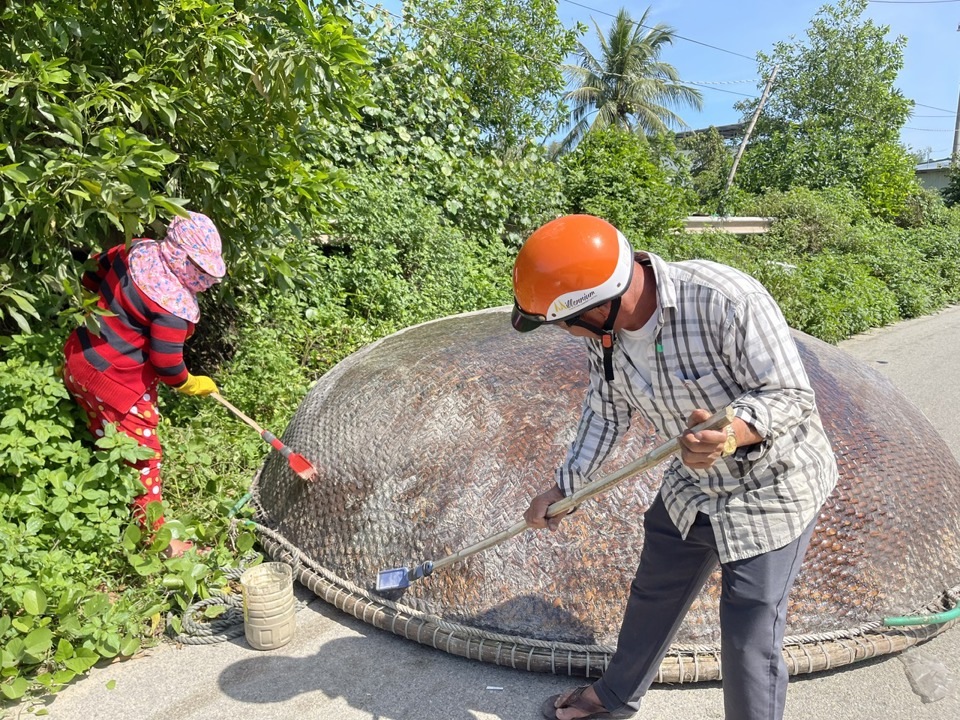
[566, 267]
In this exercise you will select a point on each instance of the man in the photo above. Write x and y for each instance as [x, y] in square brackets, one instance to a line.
[676, 342]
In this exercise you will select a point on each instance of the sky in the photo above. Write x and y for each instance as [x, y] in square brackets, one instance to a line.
[717, 42]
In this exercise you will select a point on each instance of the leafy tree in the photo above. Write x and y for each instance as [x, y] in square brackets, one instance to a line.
[833, 115]
[614, 174]
[116, 113]
[710, 163]
[920, 155]
[420, 129]
[400, 264]
[628, 86]
[508, 53]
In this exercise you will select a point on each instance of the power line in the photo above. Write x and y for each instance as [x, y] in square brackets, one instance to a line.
[912, 2]
[931, 107]
[722, 82]
[709, 86]
[679, 37]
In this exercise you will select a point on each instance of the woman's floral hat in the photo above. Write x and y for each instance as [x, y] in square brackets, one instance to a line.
[172, 271]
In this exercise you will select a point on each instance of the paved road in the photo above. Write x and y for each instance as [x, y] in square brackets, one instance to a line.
[338, 668]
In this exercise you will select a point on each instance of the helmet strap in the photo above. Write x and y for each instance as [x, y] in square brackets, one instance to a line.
[606, 336]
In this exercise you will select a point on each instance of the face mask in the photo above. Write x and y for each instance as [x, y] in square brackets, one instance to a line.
[186, 271]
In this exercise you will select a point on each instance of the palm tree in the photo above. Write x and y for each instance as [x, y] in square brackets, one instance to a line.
[627, 86]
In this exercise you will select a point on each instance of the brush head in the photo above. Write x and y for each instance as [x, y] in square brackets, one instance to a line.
[393, 579]
[302, 467]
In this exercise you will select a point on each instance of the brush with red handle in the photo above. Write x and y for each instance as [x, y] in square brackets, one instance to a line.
[298, 463]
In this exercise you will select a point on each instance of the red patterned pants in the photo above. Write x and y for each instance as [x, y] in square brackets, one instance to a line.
[139, 422]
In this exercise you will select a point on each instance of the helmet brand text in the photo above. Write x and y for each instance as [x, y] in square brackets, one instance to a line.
[559, 305]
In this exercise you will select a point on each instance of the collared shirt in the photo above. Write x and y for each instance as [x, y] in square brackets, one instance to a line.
[720, 340]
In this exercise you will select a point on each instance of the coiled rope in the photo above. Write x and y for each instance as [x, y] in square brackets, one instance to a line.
[229, 623]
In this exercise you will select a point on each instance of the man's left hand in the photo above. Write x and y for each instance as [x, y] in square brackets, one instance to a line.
[702, 449]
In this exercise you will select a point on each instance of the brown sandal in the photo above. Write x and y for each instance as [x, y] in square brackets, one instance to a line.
[594, 711]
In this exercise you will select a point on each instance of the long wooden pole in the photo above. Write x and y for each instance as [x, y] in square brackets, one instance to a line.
[746, 138]
[653, 458]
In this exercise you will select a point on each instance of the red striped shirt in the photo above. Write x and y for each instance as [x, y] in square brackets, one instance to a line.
[139, 341]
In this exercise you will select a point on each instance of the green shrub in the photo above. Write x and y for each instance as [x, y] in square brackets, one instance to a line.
[923, 207]
[940, 247]
[828, 296]
[903, 267]
[79, 581]
[710, 163]
[420, 130]
[951, 193]
[613, 174]
[61, 502]
[398, 263]
[888, 181]
[716, 245]
[809, 221]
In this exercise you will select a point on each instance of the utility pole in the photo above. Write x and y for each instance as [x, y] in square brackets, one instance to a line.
[746, 138]
[956, 132]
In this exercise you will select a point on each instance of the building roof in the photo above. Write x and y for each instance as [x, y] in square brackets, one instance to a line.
[726, 131]
[933, 165]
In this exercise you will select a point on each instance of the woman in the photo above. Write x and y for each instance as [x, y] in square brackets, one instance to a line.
[148, 293]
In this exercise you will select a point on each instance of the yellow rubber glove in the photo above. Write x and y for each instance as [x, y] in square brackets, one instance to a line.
[198, 385]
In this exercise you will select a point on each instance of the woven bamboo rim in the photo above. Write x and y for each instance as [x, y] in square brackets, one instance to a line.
[682, 664]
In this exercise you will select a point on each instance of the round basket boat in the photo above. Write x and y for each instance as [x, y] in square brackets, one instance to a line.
[438, 436]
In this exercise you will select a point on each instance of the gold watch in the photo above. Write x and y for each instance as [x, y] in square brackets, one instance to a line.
[730, 444]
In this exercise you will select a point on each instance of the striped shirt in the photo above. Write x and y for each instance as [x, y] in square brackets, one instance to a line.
[720, 339]
[139, 341]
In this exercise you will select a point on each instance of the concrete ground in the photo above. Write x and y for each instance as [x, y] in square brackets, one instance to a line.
[338, 668]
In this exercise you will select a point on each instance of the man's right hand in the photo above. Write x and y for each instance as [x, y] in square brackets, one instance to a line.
[536, 514]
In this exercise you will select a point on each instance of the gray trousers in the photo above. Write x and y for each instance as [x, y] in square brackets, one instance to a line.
[753, 608]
